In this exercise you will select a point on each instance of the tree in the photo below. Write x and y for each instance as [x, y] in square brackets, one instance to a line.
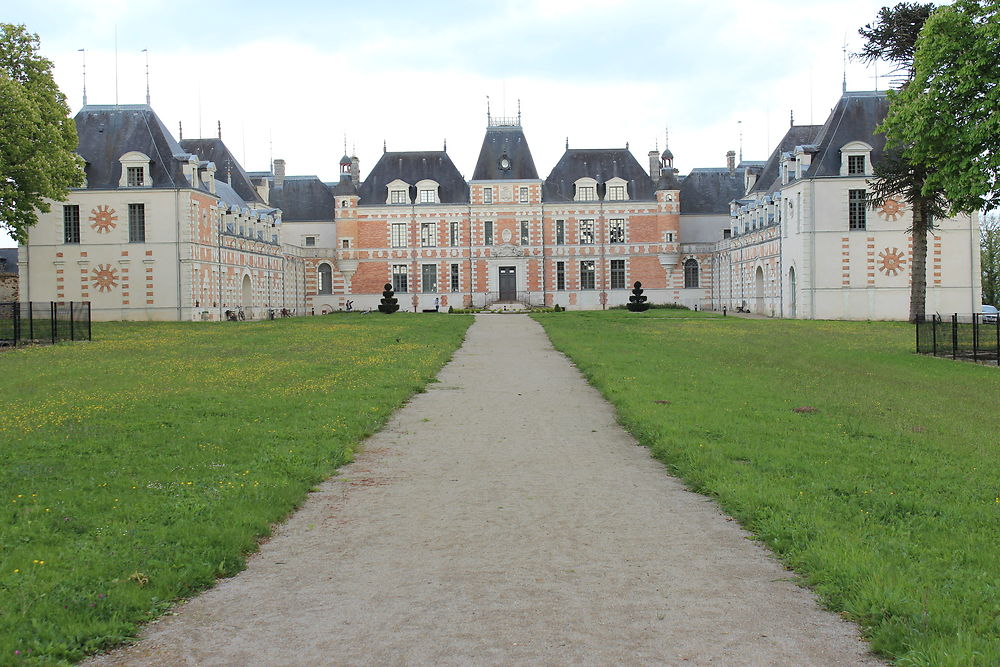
[947, 115]
[894, 38]
[37, 137]
[989, 252]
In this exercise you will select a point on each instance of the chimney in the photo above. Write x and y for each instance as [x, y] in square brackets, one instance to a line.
[731, 161]
[279, 173]
[654, 165]
[355, 170]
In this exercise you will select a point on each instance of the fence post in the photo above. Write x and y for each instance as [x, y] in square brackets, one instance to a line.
[31, 322]
[72, 324]
[954, 335]
[934, 323]
[975, 337]
[16, 307]
[52, 321]
[90, 334]
[996, 322]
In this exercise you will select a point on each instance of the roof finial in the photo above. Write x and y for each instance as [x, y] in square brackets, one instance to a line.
[489, 119]
[180, 130]
[844, 84]
[519, 111]
[446, 144]
[791, 118]
[626, 145]
[567, 143]
[739, 125]
[666, 137]
[84, 52]
[146, 51]
[383, 147]
[345, 143]
[219, 125]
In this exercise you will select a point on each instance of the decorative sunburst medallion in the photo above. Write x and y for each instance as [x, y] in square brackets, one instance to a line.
[103, 219]
[105, 277]
[891, 210]
[891, 261]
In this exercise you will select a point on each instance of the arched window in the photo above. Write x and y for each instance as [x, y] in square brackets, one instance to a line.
[325, 279]
[690, 273]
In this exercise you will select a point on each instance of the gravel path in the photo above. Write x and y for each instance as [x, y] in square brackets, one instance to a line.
[503, 517]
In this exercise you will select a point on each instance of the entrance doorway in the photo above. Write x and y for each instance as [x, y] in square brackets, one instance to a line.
[791, 292]
[247, 292]
[508, 283]
[759, 291]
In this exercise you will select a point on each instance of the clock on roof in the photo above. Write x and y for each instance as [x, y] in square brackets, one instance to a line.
[505, 163]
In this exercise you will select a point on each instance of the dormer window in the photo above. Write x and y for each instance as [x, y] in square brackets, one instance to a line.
[427, 192]
[586, 190]
[135, 170]
[856, 159]
[617, 189]
[399, 192]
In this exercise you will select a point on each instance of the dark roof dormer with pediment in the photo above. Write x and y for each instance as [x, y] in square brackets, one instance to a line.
[412, 167]
[505, 154]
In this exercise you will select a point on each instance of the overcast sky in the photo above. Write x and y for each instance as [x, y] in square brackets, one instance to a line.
[290, 79]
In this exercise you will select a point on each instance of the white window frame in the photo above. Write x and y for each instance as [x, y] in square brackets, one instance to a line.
[611, 230]
[585, 189]
[428, 234]
[586, 227]
[428, 192]
[397, 235]
[135, 159]
[855, 148]
[488, 195]
[616, 182]
[398, 193]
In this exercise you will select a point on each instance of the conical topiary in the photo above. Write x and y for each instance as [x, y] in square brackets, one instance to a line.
[637, 302]
[389, 304]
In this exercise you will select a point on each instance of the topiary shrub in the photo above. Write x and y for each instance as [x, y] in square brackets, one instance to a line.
[389, 304]
[637, 302]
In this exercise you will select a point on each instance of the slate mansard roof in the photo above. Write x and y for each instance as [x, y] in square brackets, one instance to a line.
[303, 199]
[601, 165]
[226, 166]
[797, 135]
[505, 141]
[106, 132]
[411, 167]
[710, 190]
[855, 118]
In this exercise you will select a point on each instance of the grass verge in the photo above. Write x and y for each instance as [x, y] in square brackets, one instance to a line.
[140, 467]
[881, 490]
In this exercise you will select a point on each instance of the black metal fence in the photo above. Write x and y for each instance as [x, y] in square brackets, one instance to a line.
[973, 337]
[44, 322]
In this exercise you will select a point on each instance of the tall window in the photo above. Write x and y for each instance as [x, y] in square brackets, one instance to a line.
[399, 278]
[855, 164]
[586, 193]
[71, 223]
[453, 237]
[524, 232]
[691, 273]
[136, 223]
[856, 209]
[454, 278]
[616, 230]
[560, 275]
[428, 278]
[560, 232]
[523, 195]
[325, 279]
[136, 177]
[399, 197]
[427, 197]
[428, 234]
[618, 274]
[616, 192]
[488, 233]
[487, 195]
[587, 274]
[587, 231]
[398, 230]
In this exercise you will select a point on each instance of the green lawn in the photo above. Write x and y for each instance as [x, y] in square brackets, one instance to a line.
[141, 466]
[886, 498]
